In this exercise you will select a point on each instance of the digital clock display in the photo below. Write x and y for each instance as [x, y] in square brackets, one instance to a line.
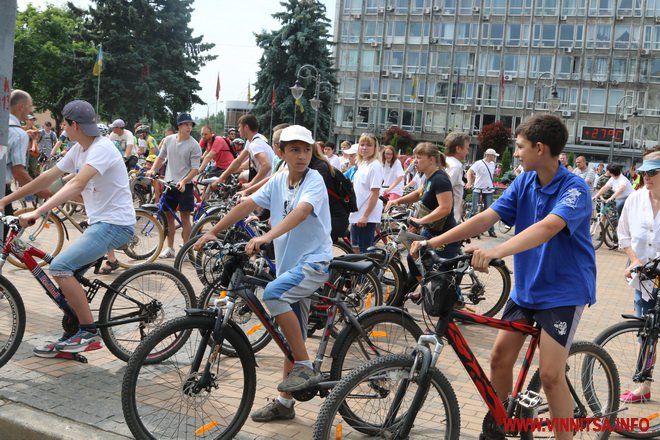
[602, 134]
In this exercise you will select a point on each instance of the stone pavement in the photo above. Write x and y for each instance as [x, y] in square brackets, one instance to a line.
[50, 398]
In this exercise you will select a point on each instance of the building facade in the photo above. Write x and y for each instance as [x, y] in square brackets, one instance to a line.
[433, 66]
[234, 110]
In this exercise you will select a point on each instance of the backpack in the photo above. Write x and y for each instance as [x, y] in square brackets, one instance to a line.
[343, 191]
[232, 150]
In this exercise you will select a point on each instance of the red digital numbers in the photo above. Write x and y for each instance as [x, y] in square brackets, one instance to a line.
[602, 134]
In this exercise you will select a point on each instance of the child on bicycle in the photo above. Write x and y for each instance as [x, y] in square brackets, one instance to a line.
[300, 217]
[554, 260]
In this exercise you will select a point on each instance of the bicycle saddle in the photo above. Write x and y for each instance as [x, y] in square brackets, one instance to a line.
[351, 264]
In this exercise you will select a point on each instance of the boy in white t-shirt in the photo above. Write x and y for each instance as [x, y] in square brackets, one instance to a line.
[300, 216]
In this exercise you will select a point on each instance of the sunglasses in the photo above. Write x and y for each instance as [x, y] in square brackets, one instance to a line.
[649, 173]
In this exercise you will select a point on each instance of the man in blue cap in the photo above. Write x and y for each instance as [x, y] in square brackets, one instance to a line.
[183, 155]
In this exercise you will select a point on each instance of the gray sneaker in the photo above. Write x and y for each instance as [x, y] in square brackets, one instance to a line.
[273, 411]
[300, 378]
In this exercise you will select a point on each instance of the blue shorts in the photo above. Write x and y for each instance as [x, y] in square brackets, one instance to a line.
[95, 242]
[292, 289]
[362, 237]
[559, 322]
[185, 201]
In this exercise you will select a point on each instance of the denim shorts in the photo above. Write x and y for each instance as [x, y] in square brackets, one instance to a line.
[95, 242]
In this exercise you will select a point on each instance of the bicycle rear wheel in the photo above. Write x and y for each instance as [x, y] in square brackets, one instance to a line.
[12, 320]
[623, 342]
[361, 291]
[163, 400]
[146, 244]
[594, 383]
[610, 236]
[361, 401]
[47, 235]
[486, 293]
[596, 231]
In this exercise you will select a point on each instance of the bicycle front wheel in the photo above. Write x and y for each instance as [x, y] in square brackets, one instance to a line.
[624, 341]
[147, 296]
[360, 403]
[166, 400]
[486, 293]
[593, 381]
[610, 236]
[47, 235]
[596, 231]
[146, 244]
[12, 320]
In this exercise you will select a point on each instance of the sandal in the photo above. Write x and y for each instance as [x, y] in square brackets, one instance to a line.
[109, 267]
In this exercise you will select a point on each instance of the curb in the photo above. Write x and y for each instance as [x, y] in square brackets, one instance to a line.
[21, 422]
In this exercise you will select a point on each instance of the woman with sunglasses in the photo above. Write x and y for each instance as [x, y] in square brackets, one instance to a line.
[639, 236]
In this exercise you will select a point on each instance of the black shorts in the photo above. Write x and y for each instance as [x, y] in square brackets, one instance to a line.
[185, 201]
[559, 322]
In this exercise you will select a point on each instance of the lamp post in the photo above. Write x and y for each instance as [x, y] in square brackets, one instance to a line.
[309, 72]
[537, 93]
[554, 102]
[622, 103]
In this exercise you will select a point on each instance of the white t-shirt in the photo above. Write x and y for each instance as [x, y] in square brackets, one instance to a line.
[390, 174]
[335, 161]
[367, 177]
[121, 141]
[258, 145]
[455, 172]
[616, 182]
[310, 241]
[107, 196]
[483, 176]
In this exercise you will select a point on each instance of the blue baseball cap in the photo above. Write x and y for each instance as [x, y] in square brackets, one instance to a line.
[183, 118]
[649, 164]
[83, 113]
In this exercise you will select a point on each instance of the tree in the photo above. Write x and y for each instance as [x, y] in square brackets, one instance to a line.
[151, 57]
[495, 136]
[302, 39]
[398, 138]
[51, 62]
[506, 160]
[216, 122]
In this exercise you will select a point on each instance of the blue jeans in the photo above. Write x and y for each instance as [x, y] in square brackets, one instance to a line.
[642, 307]
[619, 204]
[362, 237]
[95, 242]
[488, 200]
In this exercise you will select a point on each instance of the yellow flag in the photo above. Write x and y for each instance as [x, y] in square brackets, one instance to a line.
[414, 87]
[300, 106]
[98, 64]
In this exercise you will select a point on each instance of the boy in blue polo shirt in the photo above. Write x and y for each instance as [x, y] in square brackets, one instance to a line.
[554, 260]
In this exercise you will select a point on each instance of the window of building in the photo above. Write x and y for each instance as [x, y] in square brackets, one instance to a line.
[418, 6]
[448, 7]
[373, 31]
[401, 6]
[395, 90]
[492, 33]
[540, 64]
[417, 62]
[601, 8]
[573, 7]
[597, 101]
[626, 36]
[614, 96]
[352, 6]
[595, 68]
[397, 30]
[364, 118]
[440, 62]
[652, 7]
[372, 6]
[444, 32]
[441, 92]
[411, 119]
[598, 36]
[348, 60]
[629, 8]
[393, 60]
[490, 64]
[546, 7]
[565, 67]
[368, 88]
[462, 60]
[414, 89]
[570, 35]
[494, 7]
[466, 33]
[347, 88]
[544, 35]
[369, 61]
[465, 6]
[520, 7]
[350, 31]
[418, 32]
[652, 106]
[345, 115]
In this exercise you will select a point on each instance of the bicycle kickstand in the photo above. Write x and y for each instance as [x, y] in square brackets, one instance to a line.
[72, 356]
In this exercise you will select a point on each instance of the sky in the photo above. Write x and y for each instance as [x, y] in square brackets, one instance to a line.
[231, 26]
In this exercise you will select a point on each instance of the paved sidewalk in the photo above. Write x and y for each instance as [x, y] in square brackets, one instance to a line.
[60, 399]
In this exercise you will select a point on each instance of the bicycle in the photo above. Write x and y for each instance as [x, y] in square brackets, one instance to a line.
[208, 393]
[604, 224]
[396, 389]
[128, 312]
[633, 344]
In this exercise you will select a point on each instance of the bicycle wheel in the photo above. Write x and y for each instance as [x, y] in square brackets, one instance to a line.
[392, 332]
[596, 231]
[594, 383]
[623, 341]
[205, 224]
[486, 293]
[242, 315]
[365, 396]
[12, 320]
[393, 283]
[340, 248]
[146, 244]
[163, 400]
[47, 235]
[154, 293]
[610, 236]
[360, 291]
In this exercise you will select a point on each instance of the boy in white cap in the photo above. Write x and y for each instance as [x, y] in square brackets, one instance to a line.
[480, 178]
[300, 216]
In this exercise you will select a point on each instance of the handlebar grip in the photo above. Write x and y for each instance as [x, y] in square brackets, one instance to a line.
[414, 224]
[383, 199]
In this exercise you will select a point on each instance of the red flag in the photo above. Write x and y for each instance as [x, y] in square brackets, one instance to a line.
[502, 77]
[272, 99]
[217, 89]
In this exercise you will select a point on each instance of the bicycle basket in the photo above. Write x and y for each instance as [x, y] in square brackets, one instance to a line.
[440, 292]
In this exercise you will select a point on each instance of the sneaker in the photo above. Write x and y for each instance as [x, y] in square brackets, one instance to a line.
[168, 252]
[300, 378]
[273, 411]
[81, 341]
[48, 350]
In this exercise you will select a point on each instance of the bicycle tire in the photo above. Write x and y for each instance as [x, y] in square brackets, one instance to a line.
[147, 242]
[617, 340]
[486, 293]
[340, 248]
[145, 284]
[596, 231]
[393, 282]
[610, 236]
[12, 318]
[443, 412]
[46, 235]
[392, 332]
[598, 402]
[158, 401]
[361, 291]
[205, 224]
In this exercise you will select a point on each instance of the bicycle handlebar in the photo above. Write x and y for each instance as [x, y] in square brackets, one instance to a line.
[650, 269]
[430, 258]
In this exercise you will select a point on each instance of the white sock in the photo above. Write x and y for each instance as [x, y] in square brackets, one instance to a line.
[307, 363]
[286, 402]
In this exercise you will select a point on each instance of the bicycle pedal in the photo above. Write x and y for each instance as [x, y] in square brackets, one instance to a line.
[529, 399]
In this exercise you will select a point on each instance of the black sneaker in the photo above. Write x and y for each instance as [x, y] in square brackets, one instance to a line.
[300, 378]
[273, 411]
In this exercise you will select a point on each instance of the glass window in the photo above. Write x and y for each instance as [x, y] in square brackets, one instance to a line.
[626, 36]
[573, 7]
[395, 90]
[466, 33]
[520, 7]
[364, 90]
[369, 61]
[348, 88]
[449, 7]
[372, 6]
[619, 66]
[615, 96]
[350, 31]
[462, 60]
[546, 7]
[348, 60]
[598, 36]
[398, 28]
[602, 8]
[441, 92]
[352, 6]
[373, 31]
[401, 6]
[517, 35]
[444, 32]
[418, 6]
[544, 35]
[566, 34]
[440, 62]
[417, 62]
[652, 7]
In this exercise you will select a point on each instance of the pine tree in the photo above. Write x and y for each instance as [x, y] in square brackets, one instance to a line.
[302, 39]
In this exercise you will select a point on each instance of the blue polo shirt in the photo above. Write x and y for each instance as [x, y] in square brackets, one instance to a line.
[561, 272]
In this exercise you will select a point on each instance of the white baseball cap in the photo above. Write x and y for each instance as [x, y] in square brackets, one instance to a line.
[491, 151]
[352, 150]
[296, 133]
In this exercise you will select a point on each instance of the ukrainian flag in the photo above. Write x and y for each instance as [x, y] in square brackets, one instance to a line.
[98, 64]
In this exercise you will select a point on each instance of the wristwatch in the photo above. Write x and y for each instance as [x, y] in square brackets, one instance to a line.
[424, 243]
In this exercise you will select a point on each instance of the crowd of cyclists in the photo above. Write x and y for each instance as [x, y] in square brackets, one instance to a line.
[290, 180]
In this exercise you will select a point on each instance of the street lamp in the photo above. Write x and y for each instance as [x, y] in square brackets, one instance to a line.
[554, 99]
[622, 103]
[309, 72]
[554, 102]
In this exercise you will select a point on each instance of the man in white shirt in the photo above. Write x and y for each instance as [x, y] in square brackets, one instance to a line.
[329, 151]
[457, 148]
[583, 170]
[480, 178]
[125, 142]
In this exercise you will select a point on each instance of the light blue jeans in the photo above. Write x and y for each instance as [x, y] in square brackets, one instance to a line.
[488, 200]
[95, 242]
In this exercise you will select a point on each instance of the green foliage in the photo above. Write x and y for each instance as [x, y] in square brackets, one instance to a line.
[571, 159]
[506, 161]
[398, 138]
[303, 38]
[495, 136]
[216, 122]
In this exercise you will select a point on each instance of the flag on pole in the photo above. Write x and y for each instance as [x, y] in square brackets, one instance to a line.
[414, 87]
[249, 93]
[502, 82]
[300, 106]
[272, 99]
[98, 64]
[217, 88]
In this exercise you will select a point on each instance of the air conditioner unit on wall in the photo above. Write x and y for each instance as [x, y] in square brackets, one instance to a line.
[508, 77]
[498, 48]
[381, 10]
[470, 67]
[646, 52]
[390, 9]
[657, 18]
[338, 100]
[566, 113]
[427, 11]
[465, 108]
[445, 76]
[477, 108]
[388, 45]
[568, 49]
[385, 73]
[374, 44]
[396, 75]
[563, 18]
[434, 40]
[437, 9]
[357, 16]
[619, 18]
[486, 18]
[476, 10]
[409, 75]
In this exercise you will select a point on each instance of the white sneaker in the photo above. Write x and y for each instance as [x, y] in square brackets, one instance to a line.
[168, 252]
